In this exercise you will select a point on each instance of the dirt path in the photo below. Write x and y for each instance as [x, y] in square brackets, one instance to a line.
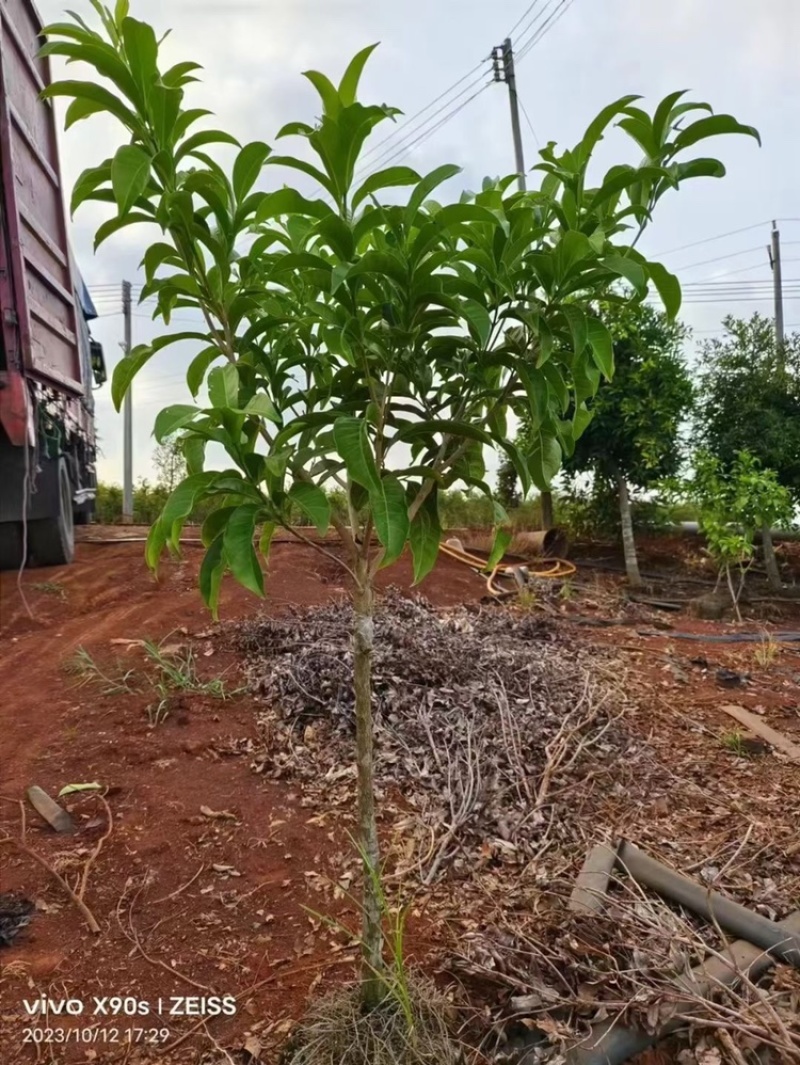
[221, 900]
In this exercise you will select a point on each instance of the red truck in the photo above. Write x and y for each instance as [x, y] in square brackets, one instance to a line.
[48, 360]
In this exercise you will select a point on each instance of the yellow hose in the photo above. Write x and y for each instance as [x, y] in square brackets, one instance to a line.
[552, 568]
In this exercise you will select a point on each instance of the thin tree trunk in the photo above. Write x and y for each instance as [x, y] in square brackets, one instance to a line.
[371, 934]
[547, 510]
[628, 539]
[770, 561]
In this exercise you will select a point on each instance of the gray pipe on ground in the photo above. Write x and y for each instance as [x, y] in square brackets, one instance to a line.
[762, 942]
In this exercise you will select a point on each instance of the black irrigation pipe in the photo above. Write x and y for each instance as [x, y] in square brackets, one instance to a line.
[730, 637]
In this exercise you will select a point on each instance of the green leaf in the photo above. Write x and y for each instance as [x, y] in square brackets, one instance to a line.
[212, 569]
[70, 789]
[247, 167]
[314, 504]
[577, 322]
[348, 86]
[169, 420]
[713, 126]
[390, 514]
[141, 50]
[502, 538]
[196, 373]
[392, 177]
[627, 268]
[125, 371]
[480, 322]
[265, 542]
[425, 188]
[113, 225]
[223, 387]
[262, 406]
[237, 545]
[425, 534]
[570, 250]
[602, 346]
[194, 451]
[88, 90]
[352, 443]
[668, 287]
[80, 109]
[544, 461]
[130, 173]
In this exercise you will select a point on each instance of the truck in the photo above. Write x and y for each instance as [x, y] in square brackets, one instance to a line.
[49, 363]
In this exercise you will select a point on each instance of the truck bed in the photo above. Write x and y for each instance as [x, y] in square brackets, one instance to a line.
[40, 329]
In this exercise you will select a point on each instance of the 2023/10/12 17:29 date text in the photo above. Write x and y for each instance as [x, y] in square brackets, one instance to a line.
[96, 1034]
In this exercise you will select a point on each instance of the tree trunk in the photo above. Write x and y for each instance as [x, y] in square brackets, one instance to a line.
[547, 510]
[628, 540]
[770, 561]
[371, 935]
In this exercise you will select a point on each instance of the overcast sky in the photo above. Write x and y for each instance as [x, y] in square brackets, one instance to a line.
[738, 55]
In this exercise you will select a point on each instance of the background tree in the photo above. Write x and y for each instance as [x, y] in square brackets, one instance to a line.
[733, 501]
[749, 400]
[634, 437]
[170, 462]
[375, 346]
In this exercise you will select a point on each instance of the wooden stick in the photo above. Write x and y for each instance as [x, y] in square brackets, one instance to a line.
[760, 728]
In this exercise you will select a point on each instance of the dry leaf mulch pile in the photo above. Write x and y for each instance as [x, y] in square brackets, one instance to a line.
[485, 722]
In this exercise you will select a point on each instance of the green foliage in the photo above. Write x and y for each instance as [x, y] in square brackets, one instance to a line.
[733, 503]
[736, 502]
[374, 346]
[634, 419]
[750, 398]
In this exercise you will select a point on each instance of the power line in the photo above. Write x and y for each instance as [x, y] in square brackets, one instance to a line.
[425, 134]
[721, 258]
[710, 240]
[528, 120]
[522, 18]
[548, 25]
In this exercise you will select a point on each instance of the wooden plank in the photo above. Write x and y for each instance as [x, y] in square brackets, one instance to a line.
[588, 895]
[762, 729]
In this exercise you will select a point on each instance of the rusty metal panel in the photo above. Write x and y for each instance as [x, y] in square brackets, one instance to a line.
[36, 284]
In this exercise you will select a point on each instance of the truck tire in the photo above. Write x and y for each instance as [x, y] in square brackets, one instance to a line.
[10, 545]
[52, 540]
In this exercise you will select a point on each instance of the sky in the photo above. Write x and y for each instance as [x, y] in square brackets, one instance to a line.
[574, 57]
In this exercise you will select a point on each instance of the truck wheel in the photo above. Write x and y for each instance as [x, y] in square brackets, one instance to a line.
[10, 545]
[52, 540]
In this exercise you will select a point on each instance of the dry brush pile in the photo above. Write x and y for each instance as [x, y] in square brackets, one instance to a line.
[486, 722]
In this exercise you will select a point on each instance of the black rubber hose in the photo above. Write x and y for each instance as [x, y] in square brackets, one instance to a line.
[729, 637]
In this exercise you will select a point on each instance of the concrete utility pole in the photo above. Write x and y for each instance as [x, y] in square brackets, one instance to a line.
[127, 415]
[503, 69]
[503, 63]
[777, 282]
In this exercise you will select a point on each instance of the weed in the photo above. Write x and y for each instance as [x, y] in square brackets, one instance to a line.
[176, 672]
[527, 600]
[50, 588]
[84, 667]
[767, 651]
[735, 743]
[567, 591]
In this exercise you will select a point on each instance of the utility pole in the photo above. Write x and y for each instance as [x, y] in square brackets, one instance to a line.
[127, 415]
[777, 282]
[503, 68]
